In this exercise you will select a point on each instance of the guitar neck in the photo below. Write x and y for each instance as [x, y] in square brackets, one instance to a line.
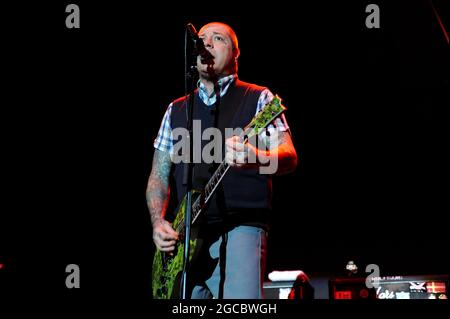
[209, 190]
[212, 184]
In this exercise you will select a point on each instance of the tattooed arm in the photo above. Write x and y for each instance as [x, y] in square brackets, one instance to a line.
[157, 195]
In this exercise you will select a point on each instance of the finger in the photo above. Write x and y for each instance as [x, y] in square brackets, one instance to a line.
[240, 147]
[235, 138]
[157, 243]
[232, 141]
[168, 230]
[167, 244]
[229, 158]
[229, 152]
[166, 248]
[166, 236]
[161, 234]
[241, 158]
[163, 243]
[229, 145]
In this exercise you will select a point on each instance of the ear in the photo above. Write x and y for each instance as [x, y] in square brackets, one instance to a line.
[237, 53]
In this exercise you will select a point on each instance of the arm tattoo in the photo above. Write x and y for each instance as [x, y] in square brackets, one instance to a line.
[157, 193]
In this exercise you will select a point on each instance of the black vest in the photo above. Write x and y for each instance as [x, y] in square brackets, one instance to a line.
[244, 196]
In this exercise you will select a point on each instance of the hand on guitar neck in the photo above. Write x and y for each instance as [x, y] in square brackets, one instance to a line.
[240, 153]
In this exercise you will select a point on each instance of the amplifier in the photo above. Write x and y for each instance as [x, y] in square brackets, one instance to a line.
[299, 287]
[390, 287]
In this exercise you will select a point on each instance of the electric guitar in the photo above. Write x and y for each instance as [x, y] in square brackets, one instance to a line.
[167, 269]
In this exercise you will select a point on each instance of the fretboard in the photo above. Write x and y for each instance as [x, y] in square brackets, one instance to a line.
[209, 190]
[203, 199]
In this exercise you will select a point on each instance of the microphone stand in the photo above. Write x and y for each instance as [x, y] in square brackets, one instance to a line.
[191, 75]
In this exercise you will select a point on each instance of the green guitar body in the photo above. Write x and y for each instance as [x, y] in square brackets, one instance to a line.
[167, 270]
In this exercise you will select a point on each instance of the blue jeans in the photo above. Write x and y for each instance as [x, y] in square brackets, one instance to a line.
[237, 272]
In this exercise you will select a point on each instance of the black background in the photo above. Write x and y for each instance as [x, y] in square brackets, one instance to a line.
[81, 108]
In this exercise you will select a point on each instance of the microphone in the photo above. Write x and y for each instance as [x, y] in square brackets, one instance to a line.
[205, 56]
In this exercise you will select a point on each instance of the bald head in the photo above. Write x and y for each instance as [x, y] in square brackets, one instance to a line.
[229, 31]
[221, 41]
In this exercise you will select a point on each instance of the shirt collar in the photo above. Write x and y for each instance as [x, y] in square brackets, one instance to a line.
[223, 83]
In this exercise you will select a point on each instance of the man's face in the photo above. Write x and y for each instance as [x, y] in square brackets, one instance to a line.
[217, 40]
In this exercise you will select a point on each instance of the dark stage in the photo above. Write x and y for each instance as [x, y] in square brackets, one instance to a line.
[83, 106]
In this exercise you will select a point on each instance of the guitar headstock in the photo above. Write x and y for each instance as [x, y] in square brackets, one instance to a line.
[265, 116]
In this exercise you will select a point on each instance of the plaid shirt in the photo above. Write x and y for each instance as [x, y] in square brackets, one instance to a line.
[164, 140]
